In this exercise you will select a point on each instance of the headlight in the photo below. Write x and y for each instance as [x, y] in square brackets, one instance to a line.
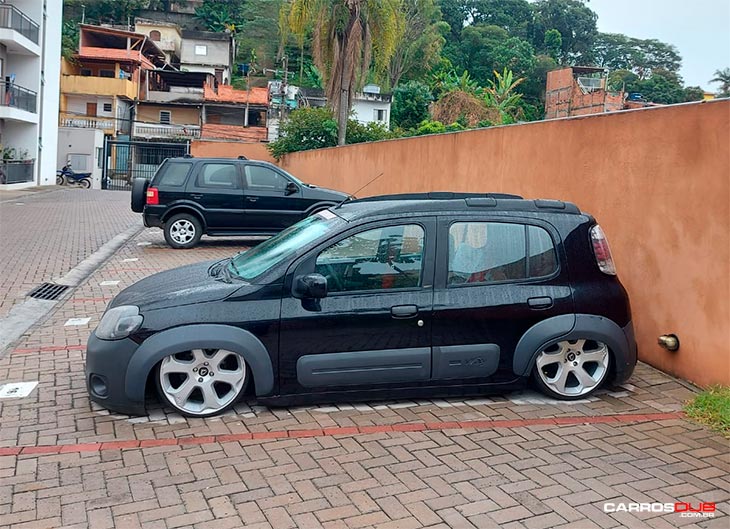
[119, 322]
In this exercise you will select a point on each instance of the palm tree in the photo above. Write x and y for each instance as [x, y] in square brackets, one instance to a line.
[348, 35]
[722, 77]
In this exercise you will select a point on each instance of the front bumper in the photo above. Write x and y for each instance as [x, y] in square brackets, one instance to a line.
[105, 373]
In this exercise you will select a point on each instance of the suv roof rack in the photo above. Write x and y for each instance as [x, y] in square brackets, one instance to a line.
[187, 155]
[242, 157]
[439, 195]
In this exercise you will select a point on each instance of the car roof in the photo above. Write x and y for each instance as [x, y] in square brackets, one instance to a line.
[190, 158]
[448, 203]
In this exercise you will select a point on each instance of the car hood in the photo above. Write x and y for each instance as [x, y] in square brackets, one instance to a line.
[180, 286]
[322, 193]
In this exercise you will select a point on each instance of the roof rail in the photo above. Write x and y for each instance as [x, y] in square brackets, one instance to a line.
[438, 195]
[242, 157]
[188, 155]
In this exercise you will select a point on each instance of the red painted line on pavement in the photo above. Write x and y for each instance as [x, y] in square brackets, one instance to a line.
[347, 430]
[50, 348]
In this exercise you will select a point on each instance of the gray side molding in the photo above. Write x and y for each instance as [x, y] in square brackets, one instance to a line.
[206, 336]
[553, 330]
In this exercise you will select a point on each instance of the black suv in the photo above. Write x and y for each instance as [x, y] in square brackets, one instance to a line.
[189, 197]
[394, 296]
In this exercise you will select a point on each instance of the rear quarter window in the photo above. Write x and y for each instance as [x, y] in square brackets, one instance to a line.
[173, 174]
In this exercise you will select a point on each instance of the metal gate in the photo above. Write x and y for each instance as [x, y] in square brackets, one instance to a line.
[126, 160]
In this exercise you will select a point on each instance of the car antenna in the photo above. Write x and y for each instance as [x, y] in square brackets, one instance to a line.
[351, 196]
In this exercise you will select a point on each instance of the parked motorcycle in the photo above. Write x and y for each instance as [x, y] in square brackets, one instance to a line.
[68, 176]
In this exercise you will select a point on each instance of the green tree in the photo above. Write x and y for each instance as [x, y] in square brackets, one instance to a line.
[553, 44]
[484, 49]
[69, 39]
[722, 77]
[349, 36]
[662, 87]
[420, 43]
[360, 132]
[306, 128]
[104, 11]
[694, 93]
[576, 23]
[410, 104]
[220, 15]
[619, 52]
[257, 17]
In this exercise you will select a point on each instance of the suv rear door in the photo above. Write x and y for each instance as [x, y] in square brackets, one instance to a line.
[487, 293]
[216, 187]
[268, 204]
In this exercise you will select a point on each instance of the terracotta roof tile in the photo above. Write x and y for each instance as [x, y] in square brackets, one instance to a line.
[233, 132]
[228, 94]
[113, 54]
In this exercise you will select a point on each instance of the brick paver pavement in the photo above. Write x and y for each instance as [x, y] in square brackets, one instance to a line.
[44, 235]
[515, 461]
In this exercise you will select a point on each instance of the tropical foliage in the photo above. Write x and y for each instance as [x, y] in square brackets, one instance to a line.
[722, 77]
[350, 38]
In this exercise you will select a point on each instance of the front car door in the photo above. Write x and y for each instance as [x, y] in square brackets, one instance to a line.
[268, 204]
[372, 330]
[497, 277]
[216, 187]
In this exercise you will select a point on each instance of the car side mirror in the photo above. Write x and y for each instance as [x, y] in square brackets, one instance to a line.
[291, 188]
[310, 286]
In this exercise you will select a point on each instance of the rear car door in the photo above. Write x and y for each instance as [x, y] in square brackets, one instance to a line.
[216, 187]
[268, 204]
[496, 278]
[373, 329]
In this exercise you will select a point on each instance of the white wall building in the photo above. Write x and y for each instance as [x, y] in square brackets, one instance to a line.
[371, 106]
[30, 50]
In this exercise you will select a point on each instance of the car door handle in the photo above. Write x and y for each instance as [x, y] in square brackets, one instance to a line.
[404, 311]
[196, 196]
[540, 303]
[251, 199]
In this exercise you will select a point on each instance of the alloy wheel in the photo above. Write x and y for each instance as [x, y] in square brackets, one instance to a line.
[182, 231]
[202, 382]
[573, 368]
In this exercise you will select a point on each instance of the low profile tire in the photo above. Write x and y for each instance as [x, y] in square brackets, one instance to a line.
[139, 194]
[183, 231]
[572, 369]
[202, 382]
[85, 183]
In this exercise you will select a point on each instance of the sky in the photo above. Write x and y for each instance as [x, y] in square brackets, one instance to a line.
[700, 29]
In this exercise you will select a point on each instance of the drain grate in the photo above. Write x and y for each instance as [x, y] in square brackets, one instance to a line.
[48, 291]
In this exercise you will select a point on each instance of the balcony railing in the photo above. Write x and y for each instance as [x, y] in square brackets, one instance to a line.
[12, 18]
[16, 171]
[18, 97]
[153, 130]
[87, 122]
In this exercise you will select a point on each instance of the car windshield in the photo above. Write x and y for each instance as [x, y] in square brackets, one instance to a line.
[287, 244]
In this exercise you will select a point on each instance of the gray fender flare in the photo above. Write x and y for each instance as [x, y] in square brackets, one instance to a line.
[162, 344]
[571, 327]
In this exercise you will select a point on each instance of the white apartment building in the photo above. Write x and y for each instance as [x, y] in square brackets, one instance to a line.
[30, 51]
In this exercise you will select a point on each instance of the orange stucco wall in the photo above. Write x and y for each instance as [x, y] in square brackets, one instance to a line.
[658, 181]
[230, 149]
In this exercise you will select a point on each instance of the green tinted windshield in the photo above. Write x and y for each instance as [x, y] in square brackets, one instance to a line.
[284, 246]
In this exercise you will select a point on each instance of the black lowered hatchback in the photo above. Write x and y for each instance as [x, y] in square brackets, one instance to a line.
[189, 197]
[439, 294]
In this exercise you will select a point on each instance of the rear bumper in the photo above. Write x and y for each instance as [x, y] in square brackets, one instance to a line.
[152, 219]
[105, 372]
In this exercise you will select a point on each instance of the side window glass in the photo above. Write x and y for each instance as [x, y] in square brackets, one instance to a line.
[218, 175]
[382, 258]
[543, 260]
[260, 178]
[486, 252]
[174, 174]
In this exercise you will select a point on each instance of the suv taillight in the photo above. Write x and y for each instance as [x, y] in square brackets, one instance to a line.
[153, 198]
[602, 251]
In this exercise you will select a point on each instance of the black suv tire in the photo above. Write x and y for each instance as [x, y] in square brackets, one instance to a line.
[183, 231]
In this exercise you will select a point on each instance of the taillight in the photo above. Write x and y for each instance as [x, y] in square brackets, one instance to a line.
[602, 251]
[153, 198]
